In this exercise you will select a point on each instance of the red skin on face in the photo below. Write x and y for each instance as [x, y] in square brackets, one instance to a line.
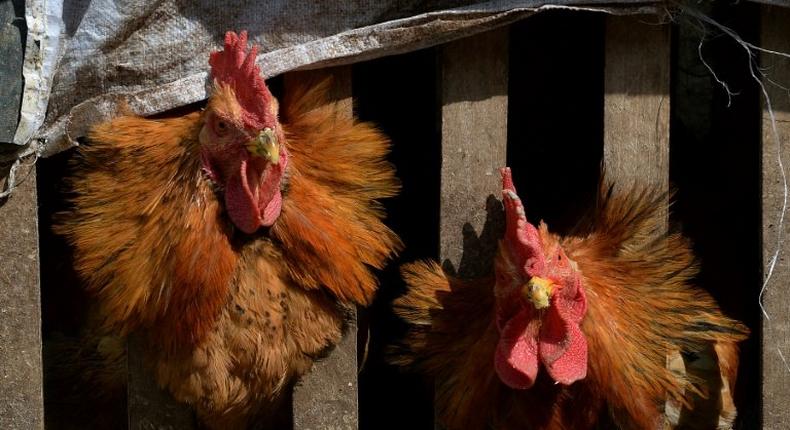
[251, 183]
[529, 335]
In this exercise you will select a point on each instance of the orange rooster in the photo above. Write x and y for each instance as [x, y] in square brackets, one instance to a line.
[231, 240]
[574, 332]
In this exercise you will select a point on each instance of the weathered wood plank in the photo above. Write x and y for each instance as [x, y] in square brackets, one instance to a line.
[21, 397]
[21, 377]
[636, 103]
[636, 117]
[473, 82]
[776, 299]
[474, 85]
[149, 407]
[326, 397]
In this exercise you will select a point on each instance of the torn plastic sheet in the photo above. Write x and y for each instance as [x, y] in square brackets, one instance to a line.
[42, 51]
[153, 55]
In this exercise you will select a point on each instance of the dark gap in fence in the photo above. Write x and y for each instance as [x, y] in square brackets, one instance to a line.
[63, 301]
[64, 307]
[555, 115]
[715, 170]
[398, 94]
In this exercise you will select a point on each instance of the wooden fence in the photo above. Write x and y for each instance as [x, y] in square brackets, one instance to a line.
[553, 96]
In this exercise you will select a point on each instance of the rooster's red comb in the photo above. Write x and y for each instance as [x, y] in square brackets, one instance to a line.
[537, 330]
[236, 68]
[522, 239]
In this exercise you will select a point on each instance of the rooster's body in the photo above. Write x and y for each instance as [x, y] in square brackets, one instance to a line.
[574, 332]
[231, 243]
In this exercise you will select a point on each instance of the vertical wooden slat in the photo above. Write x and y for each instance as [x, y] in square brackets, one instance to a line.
[474, 84]
[326, 397]
[149, 407]
[636, 116]
[776, 300]
[636, 102]
[21, 397]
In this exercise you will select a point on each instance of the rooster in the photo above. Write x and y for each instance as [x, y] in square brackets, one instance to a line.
[573, 332]
[232, 240]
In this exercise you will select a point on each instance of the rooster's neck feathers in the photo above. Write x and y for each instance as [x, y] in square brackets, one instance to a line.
[147, 229]
[330, 227]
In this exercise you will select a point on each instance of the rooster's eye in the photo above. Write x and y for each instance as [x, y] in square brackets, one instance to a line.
[221, 127]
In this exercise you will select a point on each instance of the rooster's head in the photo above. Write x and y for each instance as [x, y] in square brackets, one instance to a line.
[241, 138]
[540, 302]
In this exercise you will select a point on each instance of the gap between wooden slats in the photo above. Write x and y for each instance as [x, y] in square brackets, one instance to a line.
[149, 407]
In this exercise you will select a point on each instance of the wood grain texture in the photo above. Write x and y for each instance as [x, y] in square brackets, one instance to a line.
[474, 87]
[150, 407]
[776, 299]
[326, 397]
[21, 398]
[636, 118]
[636, 102]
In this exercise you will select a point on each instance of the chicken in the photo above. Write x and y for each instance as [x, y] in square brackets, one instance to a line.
[231, 243]
[572, 332]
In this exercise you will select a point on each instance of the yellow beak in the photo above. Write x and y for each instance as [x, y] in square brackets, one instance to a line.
[265, 145]
[538, 291]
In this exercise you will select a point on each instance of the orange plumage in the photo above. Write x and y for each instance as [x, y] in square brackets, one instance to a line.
[641, 308]
[230, 317]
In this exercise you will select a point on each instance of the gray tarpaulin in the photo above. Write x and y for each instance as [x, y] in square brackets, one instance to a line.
[84, 56]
